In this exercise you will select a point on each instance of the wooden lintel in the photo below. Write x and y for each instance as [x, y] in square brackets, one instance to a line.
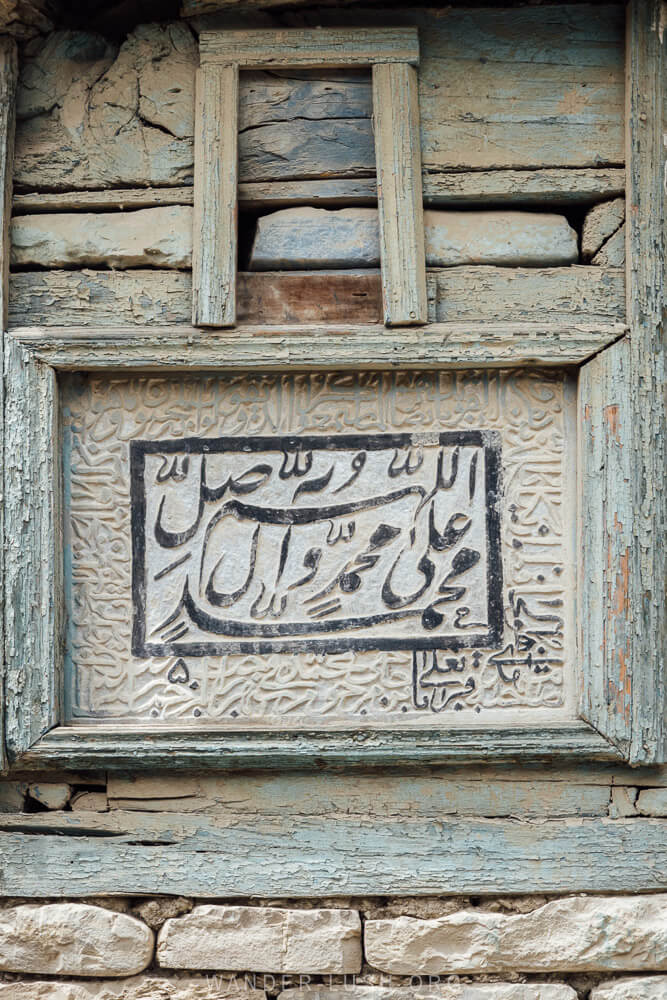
[309, 47]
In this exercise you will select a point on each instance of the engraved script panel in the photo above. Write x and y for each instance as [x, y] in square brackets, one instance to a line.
[389, 549]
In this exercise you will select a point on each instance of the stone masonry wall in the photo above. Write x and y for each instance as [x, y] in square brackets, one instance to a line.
[525, 948]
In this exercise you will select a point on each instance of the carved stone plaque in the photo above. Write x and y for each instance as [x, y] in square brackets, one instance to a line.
[282, 550]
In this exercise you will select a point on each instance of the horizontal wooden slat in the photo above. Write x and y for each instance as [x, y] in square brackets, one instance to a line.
[312, 346]
[291, 47]
[327, 794]
[80, 855]
[483, 187]
[582, 295]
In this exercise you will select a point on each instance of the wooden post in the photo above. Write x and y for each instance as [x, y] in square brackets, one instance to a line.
[215, 212]
[624, 502]
[8, 78]
[399, 183]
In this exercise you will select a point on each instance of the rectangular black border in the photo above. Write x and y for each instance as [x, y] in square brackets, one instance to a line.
[488, 439]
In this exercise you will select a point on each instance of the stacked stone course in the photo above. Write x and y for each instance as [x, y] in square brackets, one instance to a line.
[241, 952]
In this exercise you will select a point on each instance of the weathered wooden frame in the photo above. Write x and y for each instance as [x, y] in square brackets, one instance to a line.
[622, 670]
[392, 54]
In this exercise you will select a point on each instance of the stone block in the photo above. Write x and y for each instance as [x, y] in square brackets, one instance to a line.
[440, 991]
[646, 988]
[54, 795]
[247, 938]
[652, 802]
[623, 802]
[612, 253]
[73, 939]
[299, 238]
[576, 934]
[600, 223]
[136, 988]
[157, 237]
[90, 802]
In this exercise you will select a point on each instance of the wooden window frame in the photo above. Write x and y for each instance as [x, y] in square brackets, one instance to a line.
[622, 503]
[392, 54]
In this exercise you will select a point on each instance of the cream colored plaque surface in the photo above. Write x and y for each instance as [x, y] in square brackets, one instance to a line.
[287, 550]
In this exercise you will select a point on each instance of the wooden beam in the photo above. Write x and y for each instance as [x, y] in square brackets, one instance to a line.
[78, 855]
[215, 215]
[311, 48]
[8, 81]
[309, 346]
[33, 549]
[622, 416]
[400, 203]
[583, 295]
[476, 187]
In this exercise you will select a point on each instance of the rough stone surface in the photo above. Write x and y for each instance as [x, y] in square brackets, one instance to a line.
[442, 991]
[159, 237]
[53, 796]
[136, 988]
[612, 253]
[12, 796]
[73, 939]
[155, 912]
[90, 802]
[91, 115]
[599, 224]
[295, 238]
[622, 802]
[516, 239]
[646, 988]
[652, 802]
[577, 934]
[237, 938]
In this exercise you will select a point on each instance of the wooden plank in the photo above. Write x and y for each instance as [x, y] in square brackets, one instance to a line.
[33, 549]
[311, 48]
[623, 446]
[215, 214]
[98, 746]
[483, 187]
[8, 80]
[392, 795]
[309, 346]
[582, 295]
[400, 204]
[77, 854]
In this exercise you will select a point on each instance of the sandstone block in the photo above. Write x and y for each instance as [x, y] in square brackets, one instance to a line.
[512, 239]
[73, 939]
[240, 938]
[52, 795]
[440, 991]
[646, 988]
[612, 253]
[599, 224]
[622, 802]
[136, 988]
[90, 802]
[577, 934]
[652, 802]
[300, 238]
[159, 237]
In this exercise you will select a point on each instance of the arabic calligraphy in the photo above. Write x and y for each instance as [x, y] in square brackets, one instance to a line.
[382, 673]
[386, 541]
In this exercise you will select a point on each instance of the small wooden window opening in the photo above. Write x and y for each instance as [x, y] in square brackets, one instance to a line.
[392, 55]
